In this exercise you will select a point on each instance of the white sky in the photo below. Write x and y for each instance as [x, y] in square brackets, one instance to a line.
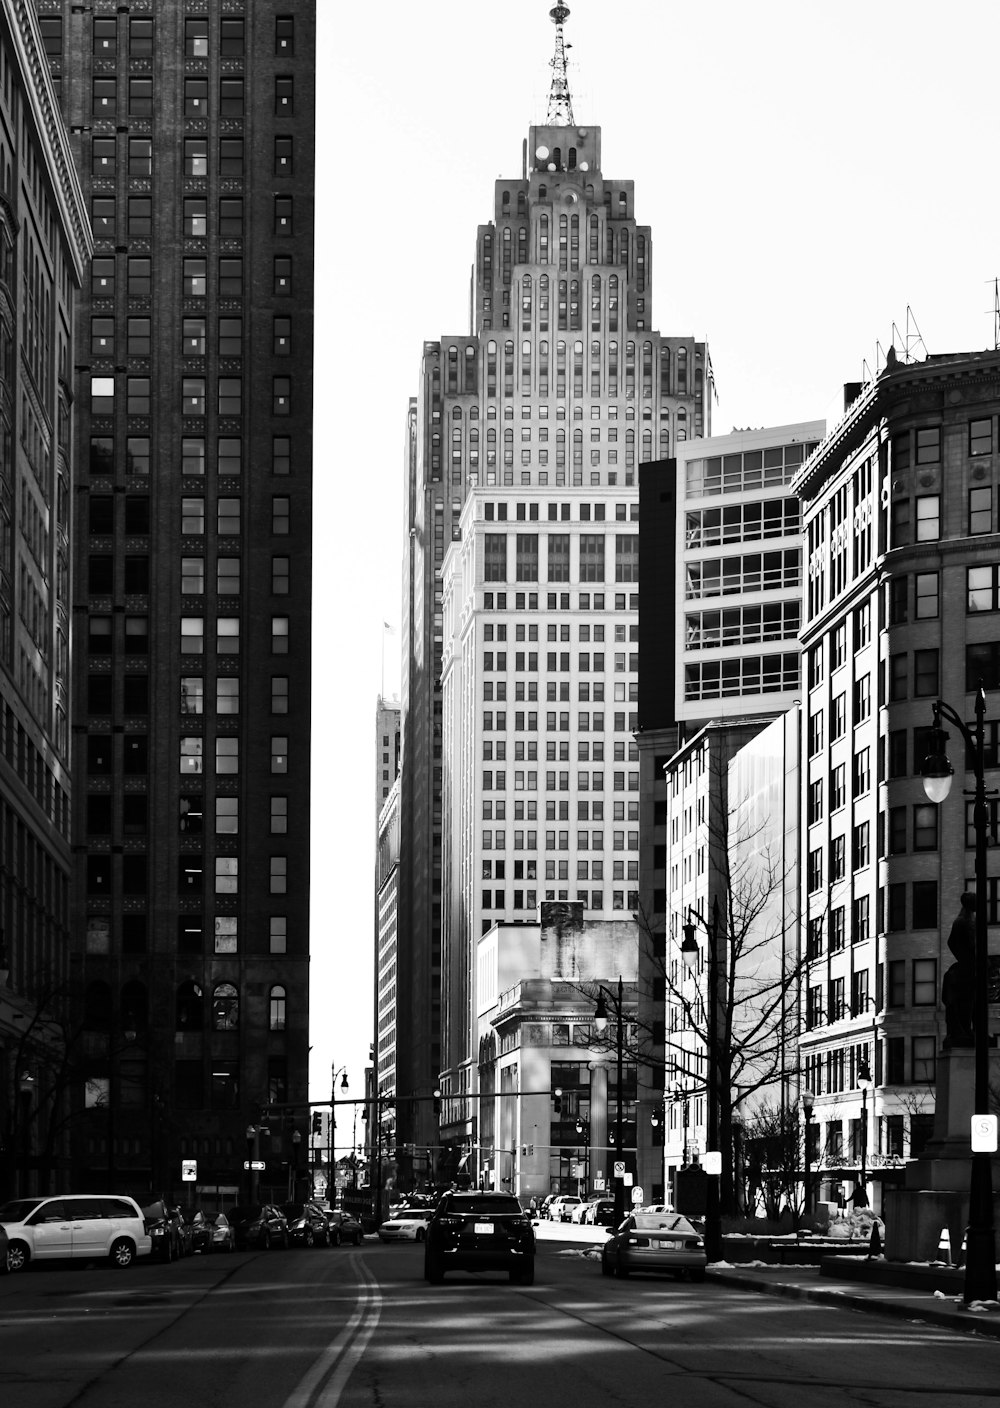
[808, 172]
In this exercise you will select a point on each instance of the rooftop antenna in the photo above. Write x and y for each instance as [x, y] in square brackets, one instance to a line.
[560, 111]
[996, 315]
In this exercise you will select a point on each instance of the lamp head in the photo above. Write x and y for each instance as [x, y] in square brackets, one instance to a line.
[865, 1081]
[601, 1013]
[343, 1081]
[689, 948]
[807, 1104]
[936, 770]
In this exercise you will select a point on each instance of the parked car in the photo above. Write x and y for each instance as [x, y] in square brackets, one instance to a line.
[74, 1225]
[407, 1225]
[602, 1213]
[653, 1241]
[259, 1225]
[562, 1205]
[414, 1202]
[3, 1249]
[580, 1213]
[169, 1232]
[344, 1227]
[544, 1210]
[308, 1225]
[480, 1232]
[211, 1232]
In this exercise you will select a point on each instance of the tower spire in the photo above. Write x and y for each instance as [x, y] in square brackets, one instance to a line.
[560, 113]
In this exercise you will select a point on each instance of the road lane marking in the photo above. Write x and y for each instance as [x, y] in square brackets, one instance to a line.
[323, 1384]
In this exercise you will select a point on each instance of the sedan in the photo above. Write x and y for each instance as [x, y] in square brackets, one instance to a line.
[307, 1225]
[648, 1241]
[408, 1226]
[211, 1232]
[344, 1227]
[581, 1212]
[259, 1225]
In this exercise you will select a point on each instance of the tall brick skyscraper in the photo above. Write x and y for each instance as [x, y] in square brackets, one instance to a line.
[192, 127]
[519, 779]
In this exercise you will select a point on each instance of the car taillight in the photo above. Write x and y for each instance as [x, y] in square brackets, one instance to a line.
[693, 1245]
[451, 1221]
[637, 1242]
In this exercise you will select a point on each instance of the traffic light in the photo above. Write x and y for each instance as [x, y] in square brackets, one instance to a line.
[317, 1124]
[437, 1102]
[557, 1100]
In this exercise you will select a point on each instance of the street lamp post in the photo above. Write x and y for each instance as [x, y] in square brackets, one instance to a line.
[807, 1112]
[865, 1082]
[680, 1093]
[601, 1022]
[689, 953]
[938, 773]
[331, 1183]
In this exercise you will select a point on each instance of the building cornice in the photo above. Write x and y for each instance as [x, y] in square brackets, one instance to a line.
[862, 417]
[52, 136]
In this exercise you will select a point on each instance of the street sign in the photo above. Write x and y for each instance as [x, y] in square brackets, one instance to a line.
[189, 1170]
[711, 1161]
[619, 1168]
[254, 1165]
[598, 1185]
[637, 1194]
[984, 1134]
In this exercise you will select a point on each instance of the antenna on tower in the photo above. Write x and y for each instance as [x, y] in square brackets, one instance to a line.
[560, 112]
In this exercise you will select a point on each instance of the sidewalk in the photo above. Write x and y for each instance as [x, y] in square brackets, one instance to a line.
[876, 1287]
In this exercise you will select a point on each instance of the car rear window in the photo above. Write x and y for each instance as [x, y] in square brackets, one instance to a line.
[499, 1207]
[661, 1221]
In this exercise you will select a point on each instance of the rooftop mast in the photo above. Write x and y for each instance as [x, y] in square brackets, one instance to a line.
[560, 112]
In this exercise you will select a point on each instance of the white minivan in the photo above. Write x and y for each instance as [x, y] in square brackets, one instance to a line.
[87, 1225]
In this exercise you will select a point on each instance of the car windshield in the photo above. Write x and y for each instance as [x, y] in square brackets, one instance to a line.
[505, 1207]
[19, 1209]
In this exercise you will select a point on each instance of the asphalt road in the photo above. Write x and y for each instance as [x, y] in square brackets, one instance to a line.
[343, 1328]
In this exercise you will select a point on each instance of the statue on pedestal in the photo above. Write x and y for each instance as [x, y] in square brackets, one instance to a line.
[959, 979]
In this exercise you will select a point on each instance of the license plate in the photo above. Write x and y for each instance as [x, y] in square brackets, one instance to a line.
[479, 1227]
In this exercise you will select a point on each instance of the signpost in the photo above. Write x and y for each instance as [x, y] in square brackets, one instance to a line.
[254, 1165]
[189, 1170]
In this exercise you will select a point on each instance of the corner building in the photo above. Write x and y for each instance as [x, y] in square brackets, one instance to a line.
[192, 128]
[899, 507]
[520, 693]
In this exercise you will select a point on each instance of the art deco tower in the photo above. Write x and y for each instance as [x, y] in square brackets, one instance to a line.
[519, 771]
[192, 128]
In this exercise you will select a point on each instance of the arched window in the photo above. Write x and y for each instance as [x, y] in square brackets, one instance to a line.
[97, 1007]
[505, 199]
[134, 1007]
[623, 248]
[682, 371]
[225, 1008]
[276, 1009]
[190, 1007]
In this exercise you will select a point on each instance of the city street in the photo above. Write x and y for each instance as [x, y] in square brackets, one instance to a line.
[319, 1328]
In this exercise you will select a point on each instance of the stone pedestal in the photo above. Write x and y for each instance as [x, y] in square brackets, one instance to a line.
[935, 1194]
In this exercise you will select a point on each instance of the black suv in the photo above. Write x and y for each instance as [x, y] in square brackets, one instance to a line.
[480, 1232]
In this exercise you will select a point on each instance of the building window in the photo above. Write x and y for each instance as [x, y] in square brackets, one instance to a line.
[279, 816]
[928, 518]
[276, 1007]
[982, 588]
[196, 38]
[927, 596]
[231, 102]
[225, 1008]
[279, 753]
[282, 274]
[195, 277]
[980, 437]
[227, 875]
[925, 827]
[925, 984]
[279, 875]
[281, 396]
[981, 509]
[924, 1060]
[140, 156]
[284, 95]
[227, 756]
[279, 635]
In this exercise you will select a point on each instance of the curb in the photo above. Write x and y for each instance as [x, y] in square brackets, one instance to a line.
[961, 1321]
